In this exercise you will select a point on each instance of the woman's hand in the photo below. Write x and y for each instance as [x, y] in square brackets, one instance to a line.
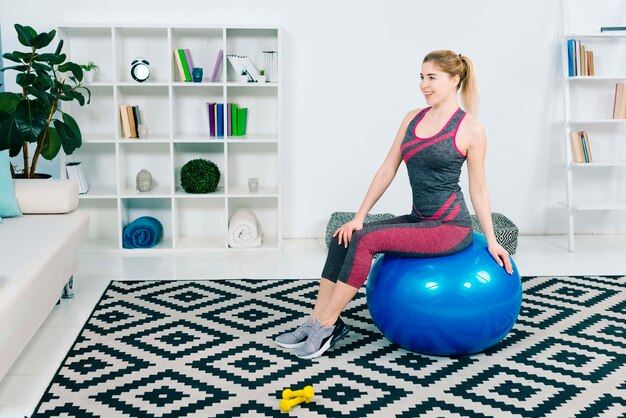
[345, 231]
[501, 256]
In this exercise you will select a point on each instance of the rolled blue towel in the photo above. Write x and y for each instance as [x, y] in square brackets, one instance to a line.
[143, 232]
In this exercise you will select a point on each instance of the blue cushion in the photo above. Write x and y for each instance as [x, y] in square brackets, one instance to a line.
[8, 203]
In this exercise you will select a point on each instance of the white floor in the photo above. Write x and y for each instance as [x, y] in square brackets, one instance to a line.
[24, 384]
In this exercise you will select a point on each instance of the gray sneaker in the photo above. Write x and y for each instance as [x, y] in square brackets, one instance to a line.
[321, 338]
[295, 338]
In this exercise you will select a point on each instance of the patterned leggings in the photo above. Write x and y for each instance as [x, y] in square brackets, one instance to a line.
[402, 235]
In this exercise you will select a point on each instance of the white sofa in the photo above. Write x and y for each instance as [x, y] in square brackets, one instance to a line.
[37, 259]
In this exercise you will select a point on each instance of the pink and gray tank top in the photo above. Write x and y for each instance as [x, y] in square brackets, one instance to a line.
[434, 166]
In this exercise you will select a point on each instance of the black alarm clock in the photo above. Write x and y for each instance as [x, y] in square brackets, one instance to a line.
[139, 69]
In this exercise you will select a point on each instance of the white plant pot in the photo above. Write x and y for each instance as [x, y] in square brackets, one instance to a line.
[88, 77]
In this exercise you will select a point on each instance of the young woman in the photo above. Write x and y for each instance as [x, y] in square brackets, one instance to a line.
[434, 142]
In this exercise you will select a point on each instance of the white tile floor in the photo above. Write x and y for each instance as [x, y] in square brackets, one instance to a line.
[24, 384]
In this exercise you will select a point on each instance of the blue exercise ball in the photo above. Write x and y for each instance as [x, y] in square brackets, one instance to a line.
[451, 305]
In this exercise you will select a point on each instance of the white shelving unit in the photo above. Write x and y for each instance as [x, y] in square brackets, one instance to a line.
[588, 105]
[176, 115]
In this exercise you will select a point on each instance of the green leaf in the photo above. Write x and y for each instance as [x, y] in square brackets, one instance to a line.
[40, 66]
[31, 119]
[25, 34]
[11, 56]
[9, 135]
[20, 68]
[46, 57]
[68, 141]
[43, 39]
[9, 101]
[26, 56]
[45, 79]
[88, 94]
[59, 47]
[60, 59]
[78, 96]
[41, 96]
[74, 68]
[66, 98]
[25, 80]
[51, 145]
[69, 121]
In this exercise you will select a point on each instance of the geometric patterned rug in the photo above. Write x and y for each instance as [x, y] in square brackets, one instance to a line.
[205, 348]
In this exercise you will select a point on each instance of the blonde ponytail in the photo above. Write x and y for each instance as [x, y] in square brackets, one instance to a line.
[453, 64]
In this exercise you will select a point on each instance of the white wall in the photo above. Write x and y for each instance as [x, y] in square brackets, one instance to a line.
[352, 72]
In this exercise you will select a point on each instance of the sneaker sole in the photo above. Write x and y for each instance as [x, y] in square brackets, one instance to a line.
[294, 345]
[343, 333]
[327, 344]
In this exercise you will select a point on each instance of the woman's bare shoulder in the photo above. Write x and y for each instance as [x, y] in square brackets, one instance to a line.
[471, 126]
[411, 114]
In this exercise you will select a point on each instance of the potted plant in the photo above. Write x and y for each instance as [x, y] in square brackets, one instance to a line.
[89, 71]
[262, 77]
[34, 115]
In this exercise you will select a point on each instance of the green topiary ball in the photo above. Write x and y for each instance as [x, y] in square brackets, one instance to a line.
[199, 176]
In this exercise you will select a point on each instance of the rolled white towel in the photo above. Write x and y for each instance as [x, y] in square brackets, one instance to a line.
[244, 230]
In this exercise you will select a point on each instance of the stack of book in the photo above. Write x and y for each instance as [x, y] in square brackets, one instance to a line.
[619, 101]
[579, 59]
[581, 151]
[184, 63]
[75, 172]
[236, 119]
[131, 119]
[244, 67]
[270, 60]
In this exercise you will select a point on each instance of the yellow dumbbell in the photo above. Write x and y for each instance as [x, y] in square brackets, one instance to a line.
[292, 398]
[287, 404]
[306, 393]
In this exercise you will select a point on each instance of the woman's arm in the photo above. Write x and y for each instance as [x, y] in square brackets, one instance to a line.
[381, 181]
[477, 141]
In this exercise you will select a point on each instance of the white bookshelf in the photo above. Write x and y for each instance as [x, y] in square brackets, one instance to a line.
[588, 106]
[176, 115]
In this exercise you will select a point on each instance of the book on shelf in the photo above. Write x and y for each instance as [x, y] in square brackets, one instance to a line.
[270, 62]
[233, 119]
[619, 101]
[220, 119]
[130, 118]
[75, 172]
[125, 122]
[581, 149]
[189, 62]
[132, 122]
[179, 66]
[186, 72]
[243, 66]
[238, 67]
[242, 118]
[211, 111]
[235, 123]
[218, 65]
[579, 59]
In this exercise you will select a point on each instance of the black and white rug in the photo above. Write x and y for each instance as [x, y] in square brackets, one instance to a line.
[205, 349]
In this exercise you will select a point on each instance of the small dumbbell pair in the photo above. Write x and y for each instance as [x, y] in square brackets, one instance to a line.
[292, 398]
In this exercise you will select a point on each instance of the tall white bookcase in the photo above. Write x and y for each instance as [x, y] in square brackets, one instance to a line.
[588, 106]
[178, 131]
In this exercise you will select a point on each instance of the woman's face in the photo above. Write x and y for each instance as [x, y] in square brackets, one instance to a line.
[436, 85]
